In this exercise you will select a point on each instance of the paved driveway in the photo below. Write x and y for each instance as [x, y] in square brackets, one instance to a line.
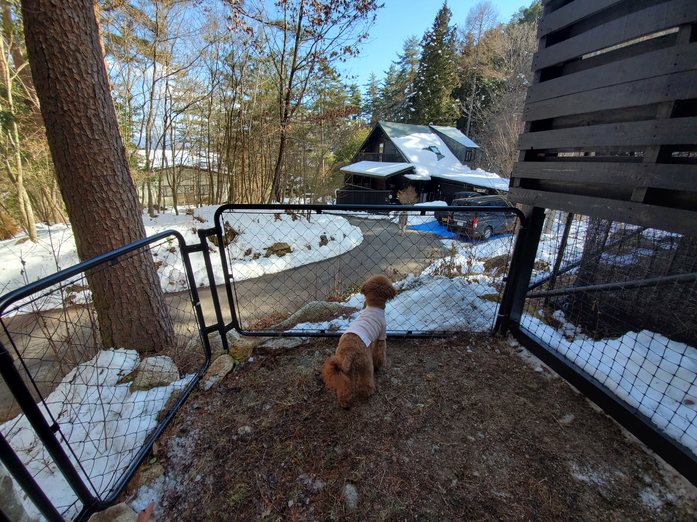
[383, 250]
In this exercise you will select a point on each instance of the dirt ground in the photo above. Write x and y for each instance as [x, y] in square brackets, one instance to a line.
[459, 429]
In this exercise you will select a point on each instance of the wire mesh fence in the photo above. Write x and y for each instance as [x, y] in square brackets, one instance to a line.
[619, 302]
[449, 274]
[78, 405]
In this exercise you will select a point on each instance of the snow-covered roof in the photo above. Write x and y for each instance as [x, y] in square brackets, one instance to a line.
[431, 157]
[477, 177]
[399, 130]
[160, 159]
[378, 169]
[456, 135]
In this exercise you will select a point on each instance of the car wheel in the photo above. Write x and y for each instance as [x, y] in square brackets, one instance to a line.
[488, 231]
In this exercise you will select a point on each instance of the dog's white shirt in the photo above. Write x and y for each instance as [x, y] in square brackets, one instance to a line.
[370, 325]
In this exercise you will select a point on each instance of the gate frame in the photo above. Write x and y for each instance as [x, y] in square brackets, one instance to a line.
[218, 230]
[45, 431]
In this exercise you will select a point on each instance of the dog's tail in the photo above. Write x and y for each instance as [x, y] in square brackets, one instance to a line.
[333, 374]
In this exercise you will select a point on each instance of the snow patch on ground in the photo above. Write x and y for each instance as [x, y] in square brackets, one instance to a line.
[650, 372]
[104, 424]
[23, 262]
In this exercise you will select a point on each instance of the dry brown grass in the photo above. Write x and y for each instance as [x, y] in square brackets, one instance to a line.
[459, 429]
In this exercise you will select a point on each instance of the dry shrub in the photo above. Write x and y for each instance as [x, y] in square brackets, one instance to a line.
[8, 226]
[407, 196]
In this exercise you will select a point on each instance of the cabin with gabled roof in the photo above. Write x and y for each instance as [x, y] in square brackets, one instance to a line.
[431, 158]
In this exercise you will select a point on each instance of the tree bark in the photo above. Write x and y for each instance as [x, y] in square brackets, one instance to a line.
[92, 170]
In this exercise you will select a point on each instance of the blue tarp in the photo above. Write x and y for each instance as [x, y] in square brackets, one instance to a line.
[435, 228]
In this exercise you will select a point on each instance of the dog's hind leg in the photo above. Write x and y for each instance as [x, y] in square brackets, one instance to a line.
[379, 351]
[365, 382]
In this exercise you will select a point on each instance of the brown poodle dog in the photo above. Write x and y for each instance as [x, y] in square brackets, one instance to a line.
[362, 347]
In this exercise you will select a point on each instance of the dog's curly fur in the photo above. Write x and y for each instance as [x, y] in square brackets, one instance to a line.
[349, 372]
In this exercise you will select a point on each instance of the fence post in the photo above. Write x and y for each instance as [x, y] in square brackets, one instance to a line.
[522, 262]
[203, 235]
[31, 411]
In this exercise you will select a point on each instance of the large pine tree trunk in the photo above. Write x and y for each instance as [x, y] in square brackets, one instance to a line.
[92, 169]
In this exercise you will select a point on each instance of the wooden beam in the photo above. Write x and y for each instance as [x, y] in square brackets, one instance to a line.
[665, 218]
[571, 13]
[676, 131]
[659, 89]
[641, 23]
[663, 176]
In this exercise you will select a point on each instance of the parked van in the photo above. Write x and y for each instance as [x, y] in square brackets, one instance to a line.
[482, 225]
[442, 216]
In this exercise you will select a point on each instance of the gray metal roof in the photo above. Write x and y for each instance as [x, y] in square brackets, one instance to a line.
[455, 134]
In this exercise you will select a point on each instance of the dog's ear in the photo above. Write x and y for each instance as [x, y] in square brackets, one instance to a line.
[391, 291]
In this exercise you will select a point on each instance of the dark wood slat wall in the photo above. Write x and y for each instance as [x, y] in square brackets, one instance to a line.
[611, 117]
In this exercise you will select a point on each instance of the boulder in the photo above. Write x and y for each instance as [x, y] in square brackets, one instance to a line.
[279, 249]
[217, 371]
[118, 513]
[315, 312]
[155, 371]
[10, 504]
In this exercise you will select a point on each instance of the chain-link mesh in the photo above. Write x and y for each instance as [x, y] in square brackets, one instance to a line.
[619, 302]
[103, 402]
[449, 278]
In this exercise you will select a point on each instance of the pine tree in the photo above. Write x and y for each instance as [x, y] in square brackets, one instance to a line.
[432, 101]
[391, 96]
[398, 86]
[371, 108]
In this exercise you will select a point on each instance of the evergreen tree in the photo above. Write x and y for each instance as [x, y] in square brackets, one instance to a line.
[432, 101]
[407, 67]
[391, 96]
[371, 108]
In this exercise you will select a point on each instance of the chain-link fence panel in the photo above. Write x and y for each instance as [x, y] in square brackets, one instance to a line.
[619, 303]
[297, 270]
[91, 374]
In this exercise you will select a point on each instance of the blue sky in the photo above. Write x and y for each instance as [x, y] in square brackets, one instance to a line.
[400, 19]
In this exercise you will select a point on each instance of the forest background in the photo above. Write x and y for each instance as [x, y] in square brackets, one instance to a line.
[243, 101]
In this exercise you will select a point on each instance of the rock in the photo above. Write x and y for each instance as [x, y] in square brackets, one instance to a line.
[217, 343]
[155, 371]
[567, 419]
[350, 495]
[118, 513]
[194, 348]
[244, 430]
[229, 235]
[147, 475]
[284, 343]
[279, 249]
[311, 483]
[10, 504]
[316, 312]
[217, 371]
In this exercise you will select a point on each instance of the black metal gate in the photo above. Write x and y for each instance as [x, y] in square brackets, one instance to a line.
[74, 424]
[308, 283]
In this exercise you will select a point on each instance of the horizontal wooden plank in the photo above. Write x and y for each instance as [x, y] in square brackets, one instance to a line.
[663, 176]
[670, 87]
[641, 23]
[673, 220]
[676, 131]
[645, 66]
[572, 13]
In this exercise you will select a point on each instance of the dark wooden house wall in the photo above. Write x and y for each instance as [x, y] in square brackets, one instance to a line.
[371, 150]
[611, 118]
[462, 153]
